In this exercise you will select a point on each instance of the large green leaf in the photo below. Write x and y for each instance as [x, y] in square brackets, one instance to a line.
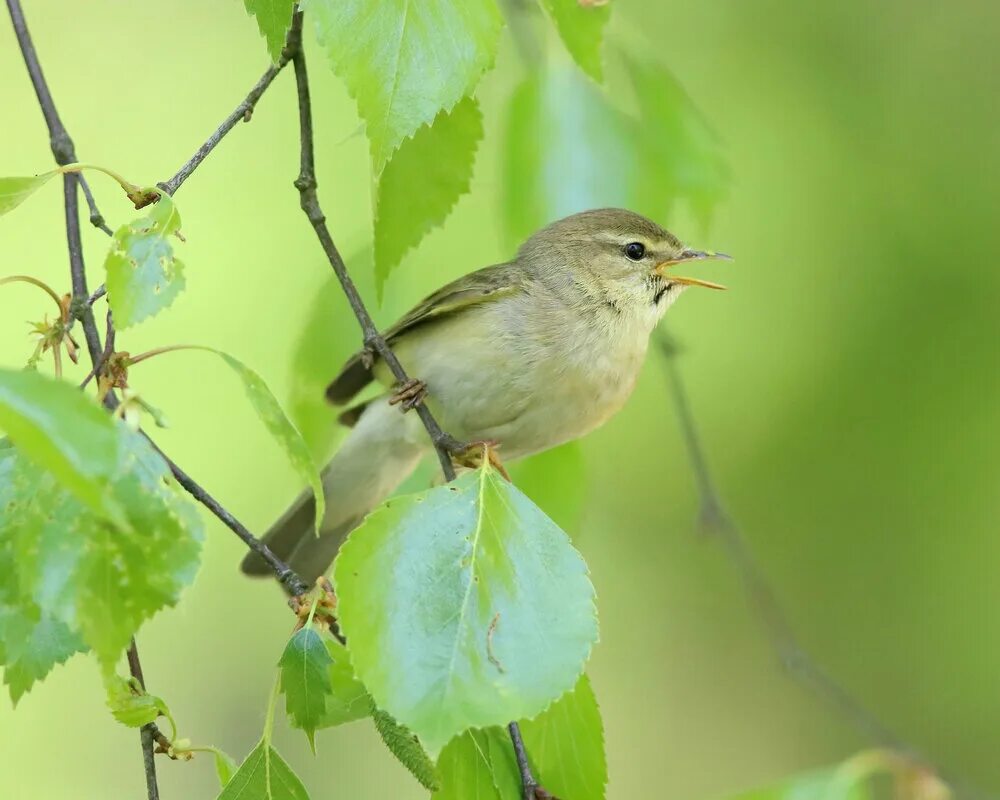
[566, 744]
[305, 680]
[274, 18]
[143, 275]
[465, 606]
[14, 191]
[569, 148]
[581, 26]
[422, 183]
[406, 60]
[67, 433]
[348, 699]
[264, 775]
[99, 579]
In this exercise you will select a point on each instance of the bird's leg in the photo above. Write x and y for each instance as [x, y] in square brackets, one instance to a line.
[474, 454]
[409, 395]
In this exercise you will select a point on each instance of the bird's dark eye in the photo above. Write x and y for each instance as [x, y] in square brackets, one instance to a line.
[635, 250]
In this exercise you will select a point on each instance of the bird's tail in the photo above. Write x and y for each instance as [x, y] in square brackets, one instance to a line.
[380, 452]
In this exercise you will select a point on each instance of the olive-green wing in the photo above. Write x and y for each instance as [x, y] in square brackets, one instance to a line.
[476, 288]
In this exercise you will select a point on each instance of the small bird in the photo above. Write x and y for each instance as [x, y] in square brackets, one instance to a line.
[524, 355]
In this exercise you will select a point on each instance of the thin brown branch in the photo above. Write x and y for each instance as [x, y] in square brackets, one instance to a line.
[308, 199]
[243, 112]
[149, 733]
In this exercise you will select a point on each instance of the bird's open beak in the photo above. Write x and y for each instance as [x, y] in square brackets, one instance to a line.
[687, 256]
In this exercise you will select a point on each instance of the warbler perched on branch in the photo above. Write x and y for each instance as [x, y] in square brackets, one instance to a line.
[524, 355]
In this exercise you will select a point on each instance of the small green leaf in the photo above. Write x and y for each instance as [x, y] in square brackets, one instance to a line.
[479, 764]
[67, 433]
[225, 766]
[823, 784]
[274, 18]
[269, 410]
[305, 680]
[264, 775]
[143, 275]
[99, 579]
[404, 61]
[407, 748]
[130, 704]
[348, 699]
[438, 160]
[566, 744]
[14, 191]
[581, 27]
[465, 606]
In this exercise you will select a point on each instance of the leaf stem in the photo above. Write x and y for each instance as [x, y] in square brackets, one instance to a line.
[133, 360]
[35, 282]
[271, 705]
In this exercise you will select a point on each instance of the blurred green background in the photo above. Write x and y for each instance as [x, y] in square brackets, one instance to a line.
[846, 387]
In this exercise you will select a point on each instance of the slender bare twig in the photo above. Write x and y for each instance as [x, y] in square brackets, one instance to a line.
[243, 112]
[96, 219]
[530, 790]
[149, 733]
[306, 184]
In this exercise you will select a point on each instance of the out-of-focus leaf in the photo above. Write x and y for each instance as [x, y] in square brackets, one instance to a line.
[264, 775]
[465, 606]
[825, 784]
[684, 155]
[14, 191]
[407, 748]
[274, 18]
[130, 705]
[67, 433]
[348, 699]
[566, 744]
[569, 148]
[556, 482]
[143, 275]
[423, 181]
[404, 61]
[305, 680]
[581, 27]
[99, 579]
[269, 410]
[479, 764]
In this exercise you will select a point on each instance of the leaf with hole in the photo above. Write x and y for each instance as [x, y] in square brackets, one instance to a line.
[404, 61]
[305, 680]
[143, 274]
[14, 191]
[274, 18]
[436, 164]
[465, 606]
[264, 775]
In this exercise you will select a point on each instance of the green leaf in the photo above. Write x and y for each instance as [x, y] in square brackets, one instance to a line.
[566, 745]
[143, 275]
[348, 699]
[824, 784]
[407, 748]
[225, 766]
[269, 410]
[305, 680]
[274, 18]
[99, 579]
[14, 191]
[405, 60]
[581, 27]
[465, 606]
[435, 164]
[130, 704]
[67, 433]
[479, 764]
[264, 775]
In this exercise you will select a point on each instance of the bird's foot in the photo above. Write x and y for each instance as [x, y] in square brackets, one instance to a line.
[409, 395]
[474, 454]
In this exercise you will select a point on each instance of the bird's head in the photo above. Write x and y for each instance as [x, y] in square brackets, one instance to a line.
[618, 257]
